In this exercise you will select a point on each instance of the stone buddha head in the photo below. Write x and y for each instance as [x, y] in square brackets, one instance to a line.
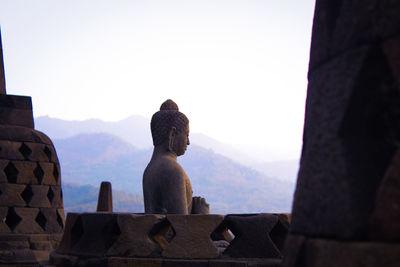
[170, 128]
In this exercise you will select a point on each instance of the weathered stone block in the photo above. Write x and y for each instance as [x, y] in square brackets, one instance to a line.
[391, 49]
[62, 259]
[335, 29]
[252, 238]
[23, 134]
[95, 233]
[345, 149]
[39, 197]
[387, 19]
[265, 263]
[3, 164]
[294, 248]
[326, 101]
[134, 240]
[52, 221]
[20, 256]
[332, 253]
[41, 246]
[41, 255]
[14, 237]
[384, 222]
[13, 245]
[25, 172]
[18, 117]
[11, 195]
[16, 110]
[3, 226]
[227, 263]
[185, 263]
[55, 197]
[147, 262]
[37, 153]
[16, 101]
[72, 233]
[192, 238]
[279, 233]
[48, 173]
[10, 150]
[29, 222]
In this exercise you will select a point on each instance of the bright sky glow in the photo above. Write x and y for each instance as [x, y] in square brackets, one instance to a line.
[237, 69]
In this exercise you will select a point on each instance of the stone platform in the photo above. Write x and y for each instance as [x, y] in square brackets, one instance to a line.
[127, 239]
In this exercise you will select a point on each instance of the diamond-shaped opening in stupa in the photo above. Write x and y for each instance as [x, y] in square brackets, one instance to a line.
[25, 150]
[41, 220]
[12, 218]
[27, 194]
[47, 151]
[11, 173]
[50, 194]
[39, 173]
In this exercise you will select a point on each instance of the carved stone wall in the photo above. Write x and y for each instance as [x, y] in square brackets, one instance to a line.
[346, 201]
[31, 203]
[126, 239]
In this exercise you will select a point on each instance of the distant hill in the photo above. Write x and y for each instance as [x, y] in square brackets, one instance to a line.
[228, 187]
[136, 131]
[80, 198]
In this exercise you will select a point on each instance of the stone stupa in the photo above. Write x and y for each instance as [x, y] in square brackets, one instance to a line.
[31, 204]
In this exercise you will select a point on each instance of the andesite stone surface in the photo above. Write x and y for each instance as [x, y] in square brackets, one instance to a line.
[346, 198]
[126, 238]
[166, 186]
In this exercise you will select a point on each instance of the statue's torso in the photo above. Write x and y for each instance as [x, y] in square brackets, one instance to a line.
[166, 187]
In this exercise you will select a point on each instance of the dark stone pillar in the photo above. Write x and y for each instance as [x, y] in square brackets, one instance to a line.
[348, 183]
[104, 203]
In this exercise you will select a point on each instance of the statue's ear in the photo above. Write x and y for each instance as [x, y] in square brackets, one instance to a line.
[171, 139]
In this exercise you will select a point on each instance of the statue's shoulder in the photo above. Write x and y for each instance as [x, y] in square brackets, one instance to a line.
[174, 169]
[164, 166]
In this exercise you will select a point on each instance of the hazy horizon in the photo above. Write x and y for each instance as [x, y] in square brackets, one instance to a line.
[250, 153]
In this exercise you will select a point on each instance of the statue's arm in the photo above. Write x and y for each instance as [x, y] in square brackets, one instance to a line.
[175, 190]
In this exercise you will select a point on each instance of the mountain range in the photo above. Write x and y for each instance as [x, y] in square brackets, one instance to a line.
[136, 131]
[93, 151]
[89, 159]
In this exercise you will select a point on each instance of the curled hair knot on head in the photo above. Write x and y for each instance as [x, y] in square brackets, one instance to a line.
[162, 121]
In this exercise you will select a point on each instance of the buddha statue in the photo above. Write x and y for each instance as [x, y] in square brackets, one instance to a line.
[166, 186]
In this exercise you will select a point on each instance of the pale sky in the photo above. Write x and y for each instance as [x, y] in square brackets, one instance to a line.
[237, 69]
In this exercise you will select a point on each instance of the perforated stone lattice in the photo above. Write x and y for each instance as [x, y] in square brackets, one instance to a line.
[31, 180]
[138, 235]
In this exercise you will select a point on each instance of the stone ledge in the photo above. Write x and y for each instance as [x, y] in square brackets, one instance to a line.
[173, 237]
[312, 252]
[65, 260]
